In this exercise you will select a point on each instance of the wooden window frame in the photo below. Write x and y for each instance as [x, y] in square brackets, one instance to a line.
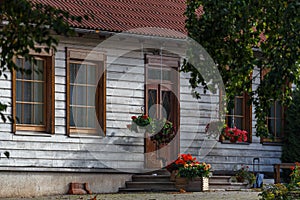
[80, 55]
[276, 139]
[246, 117]
[49, 112]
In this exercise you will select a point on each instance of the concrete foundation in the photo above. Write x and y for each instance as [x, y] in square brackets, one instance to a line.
[30, 184]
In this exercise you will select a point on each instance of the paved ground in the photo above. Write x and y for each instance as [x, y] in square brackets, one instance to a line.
[236, 195]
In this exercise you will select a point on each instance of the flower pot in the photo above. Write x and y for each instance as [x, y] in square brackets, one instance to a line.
[221, 138]
[240, 179]
[233, 140]
[141, 129]
[198, 184]
[173, 175]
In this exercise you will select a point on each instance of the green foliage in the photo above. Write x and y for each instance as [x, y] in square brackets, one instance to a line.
[162, 131]
[281, 191]
[295, 178]
[229, 31]
[244, 174]
[24, 26]
[274, 192]
[291, 145]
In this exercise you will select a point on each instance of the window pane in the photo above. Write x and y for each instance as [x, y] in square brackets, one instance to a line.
[38, 111]
[271, 126]
[230, 121]
[239, 122]
[38, 92]
[28, 114]
[91, 118]
[272, 111]
[39, 68]
[72, 112]
[278, 110]
[19, 91]
[239, 106]
[91, 94]
[80, 76]
[19, 113]
[27, 75]
[80, 95]
[81, 117]
[71, 95]
[278, 127]
[91, 74]
[73, 72]
[19, 64]
[28, 91]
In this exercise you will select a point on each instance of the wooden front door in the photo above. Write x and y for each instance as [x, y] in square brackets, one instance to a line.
[162, 102]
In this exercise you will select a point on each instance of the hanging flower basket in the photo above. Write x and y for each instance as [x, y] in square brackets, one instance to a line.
[163, 132]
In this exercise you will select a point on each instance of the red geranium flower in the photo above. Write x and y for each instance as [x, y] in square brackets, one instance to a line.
[133, 117]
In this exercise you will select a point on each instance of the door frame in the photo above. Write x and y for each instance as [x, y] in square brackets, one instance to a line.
[172, 64]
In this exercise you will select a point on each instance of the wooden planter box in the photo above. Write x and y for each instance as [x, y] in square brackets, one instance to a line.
[198, 184]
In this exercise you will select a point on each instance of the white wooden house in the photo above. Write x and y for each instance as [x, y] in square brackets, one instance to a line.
[62, 136]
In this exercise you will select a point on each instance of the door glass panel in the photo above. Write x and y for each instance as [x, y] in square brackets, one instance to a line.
[152, 101]
[158, 74]
[166, 103]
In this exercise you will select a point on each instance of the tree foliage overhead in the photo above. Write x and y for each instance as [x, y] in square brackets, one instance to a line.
[26, 25]
[231, 30]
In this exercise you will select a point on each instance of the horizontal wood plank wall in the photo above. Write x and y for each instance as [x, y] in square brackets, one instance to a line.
[120, 148]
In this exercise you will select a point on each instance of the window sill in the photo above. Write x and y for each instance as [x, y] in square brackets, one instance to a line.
[33, 133]
[85, 135]
[275, 142]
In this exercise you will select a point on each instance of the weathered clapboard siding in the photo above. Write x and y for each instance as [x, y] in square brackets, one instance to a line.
[121, 148]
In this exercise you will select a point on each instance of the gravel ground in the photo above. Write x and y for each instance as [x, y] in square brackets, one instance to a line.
[234, 195]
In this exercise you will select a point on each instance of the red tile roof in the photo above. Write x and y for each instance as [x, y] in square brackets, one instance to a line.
[124, 15]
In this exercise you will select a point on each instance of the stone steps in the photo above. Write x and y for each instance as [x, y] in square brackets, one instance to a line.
[159, 181]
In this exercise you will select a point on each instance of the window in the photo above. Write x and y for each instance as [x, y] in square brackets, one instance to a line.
[33, 95]
[85, 92]
[275, 120]
[239, 114]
